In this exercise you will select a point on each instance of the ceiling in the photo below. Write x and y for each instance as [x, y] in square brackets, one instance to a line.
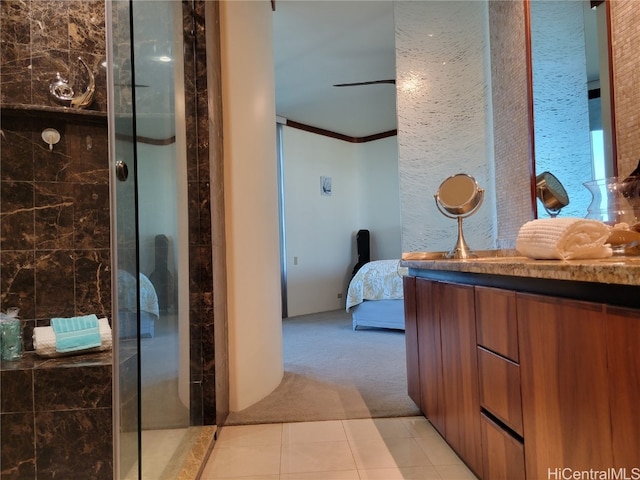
[319, 43]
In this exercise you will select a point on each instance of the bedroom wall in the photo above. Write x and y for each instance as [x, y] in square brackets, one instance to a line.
[320, 230]
[380, 197]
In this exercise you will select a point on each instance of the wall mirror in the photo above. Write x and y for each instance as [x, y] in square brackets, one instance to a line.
[571, 94]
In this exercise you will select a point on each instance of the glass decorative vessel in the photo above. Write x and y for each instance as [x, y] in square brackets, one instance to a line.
[614, 200]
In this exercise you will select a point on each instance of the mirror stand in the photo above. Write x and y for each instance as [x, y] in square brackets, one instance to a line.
[461, 249]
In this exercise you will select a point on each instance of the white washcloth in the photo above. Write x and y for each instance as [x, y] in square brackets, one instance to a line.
[44, 340]
[563, 239]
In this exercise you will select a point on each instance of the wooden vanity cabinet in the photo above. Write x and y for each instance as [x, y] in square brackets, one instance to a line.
[496, 321]
[525, 385]
[460, 372]
[503, 457]
[565, 394]
[499, 379]
[430, 348]
[623, 350]
[411, 339]
[447, 365]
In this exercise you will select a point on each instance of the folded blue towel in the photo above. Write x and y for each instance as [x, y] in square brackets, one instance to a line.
[76, 333]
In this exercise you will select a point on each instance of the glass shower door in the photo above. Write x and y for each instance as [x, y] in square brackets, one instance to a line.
[126, 377]
[147, 114]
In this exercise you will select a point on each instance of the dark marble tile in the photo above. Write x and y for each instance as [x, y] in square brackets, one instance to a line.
[92, 227]
[93, 282]
[16, 149]
[204, 165]
[14, 22]
[74, 444]
[195, 352]
[17, 282]
[50, 23]
[88, 146]
[27, 335]
[209, 400]
[17, 457]
[72, 388]
[196, 414]
[208, 351]
[193, 213]
[17, 391]
[203, 259]
[17, 220]
[87, 26]
[205, 237]
[53, 216]
[15, 74]
[28, 361]
[55, 284]
[95, 359]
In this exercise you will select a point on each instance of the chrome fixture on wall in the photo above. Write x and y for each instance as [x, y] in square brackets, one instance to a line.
[62, 92]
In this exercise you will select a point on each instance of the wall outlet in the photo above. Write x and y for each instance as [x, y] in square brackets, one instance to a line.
[339, 295]
[295, 260]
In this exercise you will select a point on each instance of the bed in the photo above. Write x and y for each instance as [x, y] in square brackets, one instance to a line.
[149, 309]
[375, 297]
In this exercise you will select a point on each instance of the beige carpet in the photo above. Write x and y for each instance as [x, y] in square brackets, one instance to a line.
[334, 373]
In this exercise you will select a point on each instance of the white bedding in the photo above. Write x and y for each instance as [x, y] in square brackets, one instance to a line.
[376, 280]
[127, 294]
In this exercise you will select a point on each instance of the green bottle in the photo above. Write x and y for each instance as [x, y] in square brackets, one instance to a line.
[10, 335]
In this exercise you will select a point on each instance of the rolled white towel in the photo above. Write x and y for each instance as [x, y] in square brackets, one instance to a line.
[563, 239]
[44, 340]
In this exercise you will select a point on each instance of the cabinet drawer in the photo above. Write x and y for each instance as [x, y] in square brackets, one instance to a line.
[496, 321]
[500, 388]
[503, 454]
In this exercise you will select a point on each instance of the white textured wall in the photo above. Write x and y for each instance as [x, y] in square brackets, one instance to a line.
[320, 230]
[251, 202]
[444, 117]
[561, 111]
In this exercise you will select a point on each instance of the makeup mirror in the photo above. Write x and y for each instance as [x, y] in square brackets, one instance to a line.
[459, 197]
[551, 193]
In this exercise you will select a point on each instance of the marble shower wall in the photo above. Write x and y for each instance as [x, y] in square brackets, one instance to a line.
[54, 205]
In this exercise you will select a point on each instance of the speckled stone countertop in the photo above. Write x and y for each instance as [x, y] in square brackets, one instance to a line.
[616, 270]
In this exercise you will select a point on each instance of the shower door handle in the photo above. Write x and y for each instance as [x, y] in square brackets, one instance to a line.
[122, 171]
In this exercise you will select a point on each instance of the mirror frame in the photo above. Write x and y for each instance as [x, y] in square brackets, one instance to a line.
[530, 99]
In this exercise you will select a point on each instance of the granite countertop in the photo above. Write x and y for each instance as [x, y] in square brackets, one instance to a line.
[620, 270]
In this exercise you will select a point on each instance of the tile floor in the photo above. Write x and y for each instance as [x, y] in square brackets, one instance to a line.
[366, 449]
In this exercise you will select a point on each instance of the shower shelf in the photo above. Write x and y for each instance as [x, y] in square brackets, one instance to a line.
[24, 110]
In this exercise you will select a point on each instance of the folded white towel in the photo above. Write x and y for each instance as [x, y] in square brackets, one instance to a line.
[563, 239]
[44, 340]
